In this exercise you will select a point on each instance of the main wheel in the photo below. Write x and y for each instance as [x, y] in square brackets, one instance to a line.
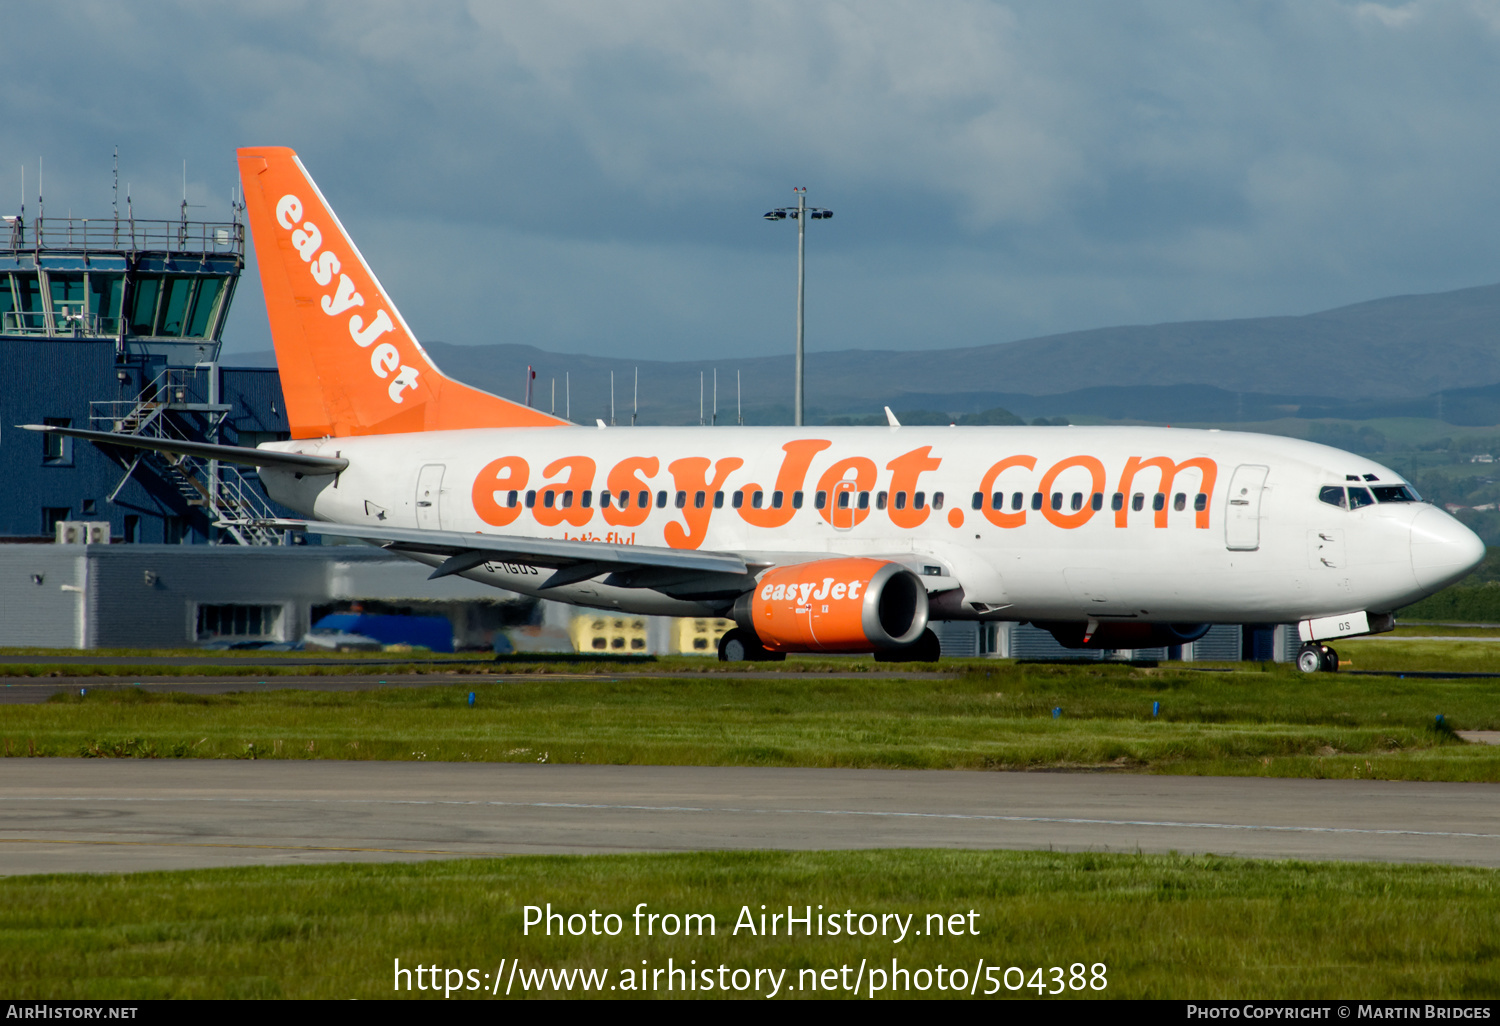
[1330, 659]
[926, 649]
[739, 645]
[1310, 658]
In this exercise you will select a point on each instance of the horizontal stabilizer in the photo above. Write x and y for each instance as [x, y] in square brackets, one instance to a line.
[294, 461]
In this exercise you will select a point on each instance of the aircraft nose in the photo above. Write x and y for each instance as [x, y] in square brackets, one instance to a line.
[1442, 549]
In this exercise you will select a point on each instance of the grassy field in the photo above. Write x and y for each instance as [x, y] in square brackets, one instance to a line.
[1163, 926]
[998, 715]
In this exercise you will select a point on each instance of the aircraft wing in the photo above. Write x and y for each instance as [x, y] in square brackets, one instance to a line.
[293, 461]
[571, 561]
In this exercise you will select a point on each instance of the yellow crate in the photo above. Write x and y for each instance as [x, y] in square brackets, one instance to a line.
[609, 635]
[696, 635]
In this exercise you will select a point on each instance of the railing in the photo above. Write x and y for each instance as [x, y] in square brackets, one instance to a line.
[82, 234]
[69, 322]
[223, 488]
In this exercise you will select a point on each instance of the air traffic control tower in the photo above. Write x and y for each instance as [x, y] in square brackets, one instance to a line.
[115, 325]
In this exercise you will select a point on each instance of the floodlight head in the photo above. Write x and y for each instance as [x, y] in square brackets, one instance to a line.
[771, 215]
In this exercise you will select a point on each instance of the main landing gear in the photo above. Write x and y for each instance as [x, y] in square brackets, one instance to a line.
[1315, 658]
[739, 645]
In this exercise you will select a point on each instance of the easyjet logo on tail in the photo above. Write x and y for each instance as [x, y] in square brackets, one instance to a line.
[385, 359]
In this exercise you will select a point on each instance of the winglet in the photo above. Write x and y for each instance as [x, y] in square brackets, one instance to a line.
[891, 418]
[349, 364]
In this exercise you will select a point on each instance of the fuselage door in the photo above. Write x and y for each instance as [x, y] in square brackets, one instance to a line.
[1242, 520]
[429, 497]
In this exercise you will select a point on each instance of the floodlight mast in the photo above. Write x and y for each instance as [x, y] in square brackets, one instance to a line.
[800, 214]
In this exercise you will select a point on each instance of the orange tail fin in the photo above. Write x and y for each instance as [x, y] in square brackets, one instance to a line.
[349, 364]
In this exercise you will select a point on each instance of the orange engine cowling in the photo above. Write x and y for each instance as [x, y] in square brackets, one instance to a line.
[835, 605]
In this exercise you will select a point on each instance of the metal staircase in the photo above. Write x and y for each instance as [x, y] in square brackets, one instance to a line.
[227, 492]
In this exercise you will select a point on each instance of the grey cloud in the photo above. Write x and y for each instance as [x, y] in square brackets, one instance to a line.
[589, 176]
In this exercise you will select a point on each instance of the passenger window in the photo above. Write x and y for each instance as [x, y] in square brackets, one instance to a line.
[1057, 500]
[1097, 501]
[1159, 501]
[937, 500]
[796, 500]
[718, 500]
[775, 500]
[681, 499]
[864, 500]
[567, 502]
[918, 500]
[1360, 497]
[1077, 502]
[1179, 502]
[978, 502]
[512, 498]
[661, 500]
[699, 498]
[1117, 501]
[586, 499]
[900, 500]
[1018, 500]
[603, 500]
[756, 498]
[549, 497]
[1200, 502]
[1036, 500]
[880, 500]
[643, 499]
[820, 500]
[1138, 501]
[531, 499]
[739, 499]
[843, 500]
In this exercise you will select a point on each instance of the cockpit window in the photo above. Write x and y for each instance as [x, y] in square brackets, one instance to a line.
[1360, 497]
[1395, 493]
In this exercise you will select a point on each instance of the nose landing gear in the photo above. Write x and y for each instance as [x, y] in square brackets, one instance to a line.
[1316, 658]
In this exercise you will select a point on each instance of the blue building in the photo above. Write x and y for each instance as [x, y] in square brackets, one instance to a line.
[115, 325]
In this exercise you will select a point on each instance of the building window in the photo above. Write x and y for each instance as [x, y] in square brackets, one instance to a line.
[235, 621]
[57, 450]
[51, 517]
[175, 530]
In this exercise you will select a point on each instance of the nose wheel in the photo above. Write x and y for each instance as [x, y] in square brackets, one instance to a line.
[1315, 658]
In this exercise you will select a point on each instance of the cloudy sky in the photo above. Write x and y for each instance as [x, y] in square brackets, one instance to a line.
[589, 177]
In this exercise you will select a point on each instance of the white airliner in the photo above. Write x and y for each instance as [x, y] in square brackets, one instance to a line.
[811, 539]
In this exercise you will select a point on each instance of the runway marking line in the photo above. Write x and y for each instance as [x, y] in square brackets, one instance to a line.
[990, 817]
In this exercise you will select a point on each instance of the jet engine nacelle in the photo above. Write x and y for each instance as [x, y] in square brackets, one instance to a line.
[1125, 635]
[835, 605]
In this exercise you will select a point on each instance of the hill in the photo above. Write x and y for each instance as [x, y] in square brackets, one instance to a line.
[1423, 355]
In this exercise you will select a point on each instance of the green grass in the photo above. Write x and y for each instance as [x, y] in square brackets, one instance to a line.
[1404, 655]
[998, 715]
[1164, 926]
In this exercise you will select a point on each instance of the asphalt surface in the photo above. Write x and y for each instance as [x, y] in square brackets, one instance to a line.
[31, 690]
[68, 815]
